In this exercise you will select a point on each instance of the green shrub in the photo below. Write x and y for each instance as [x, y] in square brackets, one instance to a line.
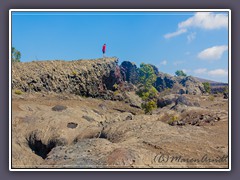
[74, 73]
[18, 92]
[225, 89]
[180, 73]
[147, 94]
[172, 119]
[149, 106]
[116, 93]
[147, 75]
[211, 98]
[115, 86]
[16, 55]
[207, 87]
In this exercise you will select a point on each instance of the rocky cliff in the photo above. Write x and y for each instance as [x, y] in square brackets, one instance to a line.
[93, 78]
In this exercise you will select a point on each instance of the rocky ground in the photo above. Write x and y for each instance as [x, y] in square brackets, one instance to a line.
[51, 130]
[86, 114]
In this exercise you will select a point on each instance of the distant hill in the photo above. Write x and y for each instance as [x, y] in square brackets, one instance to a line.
[212, 83]
[215, 86]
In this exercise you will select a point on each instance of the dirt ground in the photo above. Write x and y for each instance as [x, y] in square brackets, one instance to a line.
[87, 132]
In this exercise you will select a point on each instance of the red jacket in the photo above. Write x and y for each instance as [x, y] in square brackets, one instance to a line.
[104, 48]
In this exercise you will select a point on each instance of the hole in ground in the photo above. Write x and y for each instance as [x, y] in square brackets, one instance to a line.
[103, 135]
[41, 149]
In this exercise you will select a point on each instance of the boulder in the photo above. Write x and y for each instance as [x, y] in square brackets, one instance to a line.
[164, 81]
[225, 95]
[166, 100]
[193, 86]
[180, 85]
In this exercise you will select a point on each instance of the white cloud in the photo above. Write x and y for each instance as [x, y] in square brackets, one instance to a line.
[178, 32]
[218, 72]
[200, 71]
[212, 73]
[164, 62]
[191, 37]
[202, 20]
[212, 53]
[206, 20]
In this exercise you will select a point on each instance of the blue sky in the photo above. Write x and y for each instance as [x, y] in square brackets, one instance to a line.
[195, 42]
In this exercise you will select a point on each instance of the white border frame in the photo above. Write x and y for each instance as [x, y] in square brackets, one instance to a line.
[120, 10]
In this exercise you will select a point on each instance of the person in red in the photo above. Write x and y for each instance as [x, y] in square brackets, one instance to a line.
[104, 49]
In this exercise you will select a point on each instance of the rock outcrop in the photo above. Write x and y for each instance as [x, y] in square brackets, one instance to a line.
[94, 78]
[129, 71]
[179, 85]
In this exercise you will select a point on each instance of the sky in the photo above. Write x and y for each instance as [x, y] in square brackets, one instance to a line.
[195, 42]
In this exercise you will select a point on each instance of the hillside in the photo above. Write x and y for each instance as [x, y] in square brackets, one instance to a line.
[216, 87]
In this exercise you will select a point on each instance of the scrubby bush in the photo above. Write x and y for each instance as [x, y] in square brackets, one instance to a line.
[115, 93]
[16, 55]
[18, 92]
[149, 106]
[115, 86]
[74, 73]
[225, 89]
[146, 94]
[173, 119]
[180, 73]
[207, 87]
[211, 98]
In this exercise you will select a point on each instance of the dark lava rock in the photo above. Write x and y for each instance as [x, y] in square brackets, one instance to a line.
[59, 108]
[183, 100]
[88, 118]
[129, 72]
[225, 95]
[166, 100]
[72, 125]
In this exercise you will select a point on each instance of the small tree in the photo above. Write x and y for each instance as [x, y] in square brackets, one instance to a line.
[148, 93]
[207, 87]
[147, 75]
[180, 73]
[16, 55]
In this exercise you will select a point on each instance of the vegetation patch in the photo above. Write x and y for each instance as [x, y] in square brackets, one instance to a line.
[18, 92]
[207, 87]
[147, 92]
